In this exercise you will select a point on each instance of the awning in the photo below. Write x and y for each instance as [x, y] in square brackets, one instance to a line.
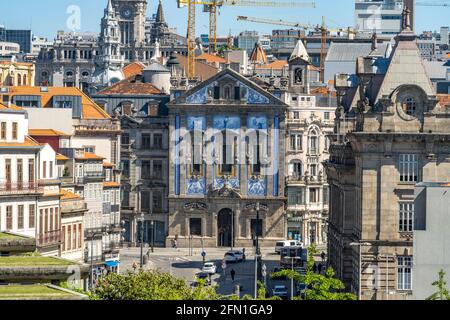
[112, 263]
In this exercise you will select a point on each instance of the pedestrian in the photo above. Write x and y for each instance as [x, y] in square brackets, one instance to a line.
[232, 273]
[134, 266]
[243, 254]
[322, 255]
[314, 268]
[319, 268]
[175, 244]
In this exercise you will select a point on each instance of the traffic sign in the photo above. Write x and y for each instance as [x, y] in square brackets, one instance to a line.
[203, 254]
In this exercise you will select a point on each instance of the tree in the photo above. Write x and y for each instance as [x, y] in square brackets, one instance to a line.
[149, 285]
[442, 293]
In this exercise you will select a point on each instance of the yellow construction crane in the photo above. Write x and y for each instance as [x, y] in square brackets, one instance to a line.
[323, 29]
[212, 6]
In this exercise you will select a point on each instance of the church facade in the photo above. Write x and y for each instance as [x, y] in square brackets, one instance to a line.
[226, 164]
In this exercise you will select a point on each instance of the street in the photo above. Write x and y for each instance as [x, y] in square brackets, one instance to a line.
[181, 264]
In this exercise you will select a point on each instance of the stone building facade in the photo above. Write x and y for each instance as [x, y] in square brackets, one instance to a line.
[309, 121]
[92, 62]
[391, 133]
[226, 153]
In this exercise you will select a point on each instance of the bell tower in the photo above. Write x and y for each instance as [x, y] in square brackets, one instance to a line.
[131, 16]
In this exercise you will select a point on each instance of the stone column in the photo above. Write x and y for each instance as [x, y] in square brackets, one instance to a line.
[237, 224]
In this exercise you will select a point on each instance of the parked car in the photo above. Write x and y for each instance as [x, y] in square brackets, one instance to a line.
[280, 291]
[209, 268]
[239, 254]
[286, 243]
[231, 257]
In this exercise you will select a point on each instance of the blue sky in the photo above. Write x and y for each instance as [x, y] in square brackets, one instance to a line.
[45, 17]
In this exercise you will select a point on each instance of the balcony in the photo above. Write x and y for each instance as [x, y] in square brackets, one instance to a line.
[11, 188]
[86, 127]
[49, 238]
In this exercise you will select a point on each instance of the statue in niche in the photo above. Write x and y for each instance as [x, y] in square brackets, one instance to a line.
[298, 76]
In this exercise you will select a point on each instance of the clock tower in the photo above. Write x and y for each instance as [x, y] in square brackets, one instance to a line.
[131, 16]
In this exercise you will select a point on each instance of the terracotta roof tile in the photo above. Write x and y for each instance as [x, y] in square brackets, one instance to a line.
[111, 184]
[67, 195]
[29, 142]
[46, 133]
[203, 70]
[211, 58]
[133, 69]
[90, 109]
[131, 86]
[276, 65]
[61, 157]
[90, 156]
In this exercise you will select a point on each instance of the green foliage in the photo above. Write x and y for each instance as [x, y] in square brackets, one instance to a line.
[150, 285]
[442, 293]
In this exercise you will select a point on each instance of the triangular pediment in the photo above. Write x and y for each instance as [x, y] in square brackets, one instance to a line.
[249, 92]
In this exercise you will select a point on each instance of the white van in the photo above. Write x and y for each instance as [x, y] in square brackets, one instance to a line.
[286, 243]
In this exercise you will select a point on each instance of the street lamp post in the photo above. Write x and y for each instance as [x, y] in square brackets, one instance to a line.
[360, 244]
[152, 222]
[257, 250]
[142, 219]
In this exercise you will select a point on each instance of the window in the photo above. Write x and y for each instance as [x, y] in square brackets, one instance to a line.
[296, 114]
[326, 195]
[63, 238]
[20, 216]
[409, 106]
[157, 141]
[295, 142]
[313, 195]
[157, 169]
[145, 167]
[157, 201]
[409, 168]
[3, 131]
[226, 167]
[145, 200]
[404, 273]
[80, 235]
[51, 169]
[326, 116]
[69, 237]
[327, 144]
[296, 196]
[125, 139]
[30, 170]
[31, 216]
[125, 168]
[256, 228]
[313, 142]
[44, 169]
[145, 143]
[197, 137]
[406, 217]
[19, 173]
[8, 171]
[9, 217]
[14, 130]
[195, 226]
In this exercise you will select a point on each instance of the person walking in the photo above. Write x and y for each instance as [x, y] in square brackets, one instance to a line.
[232, 273]
[322, 255]
[243, 254]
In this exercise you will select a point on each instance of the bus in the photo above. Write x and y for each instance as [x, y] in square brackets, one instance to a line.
[291, 257]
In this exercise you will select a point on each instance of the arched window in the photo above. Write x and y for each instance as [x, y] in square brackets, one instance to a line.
[197, 138]
[227, 93]
[313, 141]
[25, 80]
[69, 74]
[409, 106]
[226, 167]
[19, 80]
